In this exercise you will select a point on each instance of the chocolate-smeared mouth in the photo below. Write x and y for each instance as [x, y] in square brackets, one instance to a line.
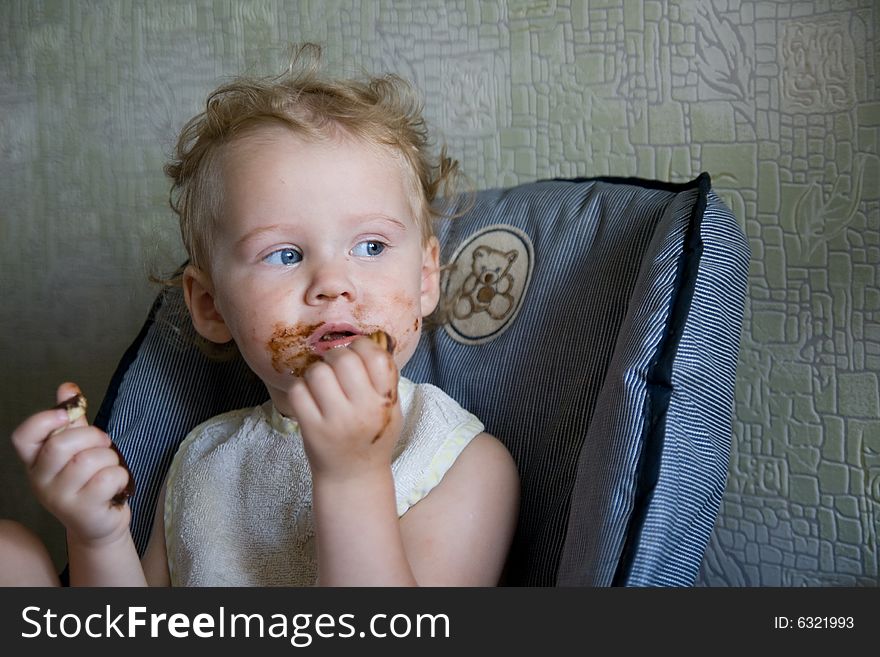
[343, 337]
[331, 336]
[336, 335]
[291, 349]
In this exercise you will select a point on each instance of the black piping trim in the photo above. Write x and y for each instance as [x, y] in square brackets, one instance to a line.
[102, 418]
[643, 182]
[659, 381]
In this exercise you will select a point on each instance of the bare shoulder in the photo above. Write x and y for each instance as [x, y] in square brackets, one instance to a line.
[486, 474]
[486, 458]
[459, 534]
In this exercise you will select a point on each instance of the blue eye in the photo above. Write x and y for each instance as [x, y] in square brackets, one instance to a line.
[284, 257]
[370, 248]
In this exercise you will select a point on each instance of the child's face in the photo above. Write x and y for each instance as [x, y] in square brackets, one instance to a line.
[317, 244]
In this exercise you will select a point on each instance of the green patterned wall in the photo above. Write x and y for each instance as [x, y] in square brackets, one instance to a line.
[778, 100]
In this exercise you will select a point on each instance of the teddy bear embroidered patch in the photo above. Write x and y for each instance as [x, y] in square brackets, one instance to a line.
[486, 282]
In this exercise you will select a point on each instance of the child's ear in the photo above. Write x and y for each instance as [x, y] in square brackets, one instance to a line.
[430, 276]
[198, 292]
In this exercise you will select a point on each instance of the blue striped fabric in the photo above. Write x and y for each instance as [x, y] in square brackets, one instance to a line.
[649, 484]
[693, 463]
[164, 387]
[578, 387]
[535, 387]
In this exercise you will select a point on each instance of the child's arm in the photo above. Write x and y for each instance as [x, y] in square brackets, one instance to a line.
[112, 562]
[350, 418]
[357, 532]
[458, 535]
[75, 475]
[155, 560]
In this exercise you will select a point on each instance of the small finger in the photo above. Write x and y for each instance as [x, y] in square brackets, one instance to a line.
[84, 465]
[351, 373]
[58, 450]
[66, 390]
[305, 409]
[105, 486]
[379, 365]
[28, 438]
[384, 340]
[324, 387]
[71, 399]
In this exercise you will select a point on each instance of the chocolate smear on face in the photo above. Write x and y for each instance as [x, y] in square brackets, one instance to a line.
[290, 350]
[76, 408]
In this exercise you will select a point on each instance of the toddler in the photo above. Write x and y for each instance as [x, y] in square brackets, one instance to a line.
[305, 207]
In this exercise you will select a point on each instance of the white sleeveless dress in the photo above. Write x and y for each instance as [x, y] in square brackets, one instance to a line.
[238, 506]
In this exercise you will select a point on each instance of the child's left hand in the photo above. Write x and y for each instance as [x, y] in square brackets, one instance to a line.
[348, 411]
[74, 473]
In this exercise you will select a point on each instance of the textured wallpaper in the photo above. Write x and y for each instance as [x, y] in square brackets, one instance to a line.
[778, 100]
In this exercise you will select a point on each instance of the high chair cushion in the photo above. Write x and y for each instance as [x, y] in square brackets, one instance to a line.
[591, 324]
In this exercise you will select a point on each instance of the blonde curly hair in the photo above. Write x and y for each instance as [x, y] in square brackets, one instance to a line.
[383, 111]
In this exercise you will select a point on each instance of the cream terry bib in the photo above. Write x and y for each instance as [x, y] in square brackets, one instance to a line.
[238, 506]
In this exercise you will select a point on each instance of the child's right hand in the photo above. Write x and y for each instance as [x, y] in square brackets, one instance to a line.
[348, 410]
[74, 472]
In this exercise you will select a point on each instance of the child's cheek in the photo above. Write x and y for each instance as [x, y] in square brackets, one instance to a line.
[407, 342]
[288, 348]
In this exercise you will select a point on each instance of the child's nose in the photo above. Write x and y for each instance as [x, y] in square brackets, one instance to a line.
[330, 281]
